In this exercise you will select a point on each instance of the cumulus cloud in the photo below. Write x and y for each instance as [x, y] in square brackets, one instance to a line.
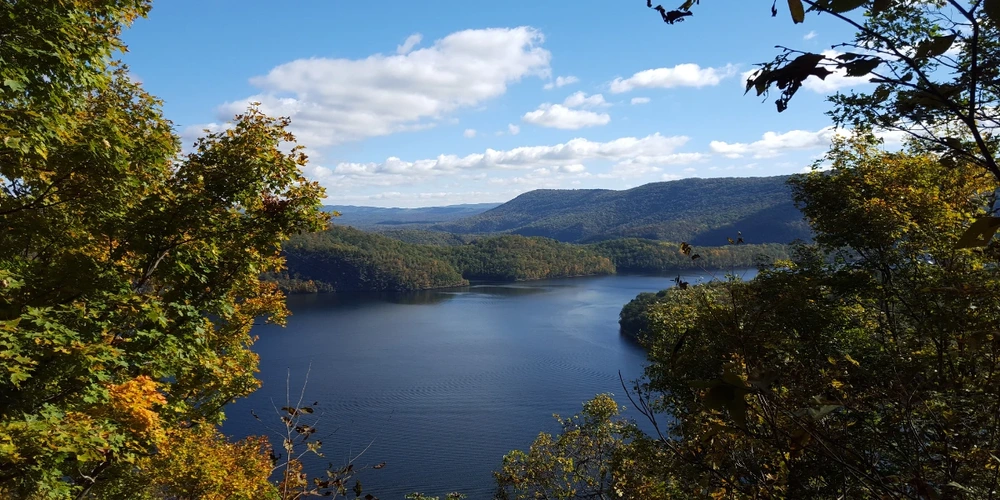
[559, 116]
[561, 81]
[773, 144]
[333, 101]
[809, 36]
[410, 42]
[681, 75]
[582, 100]
[469, 133]
[569, 157]
[513, 129]
[572, 114]
[640, 100]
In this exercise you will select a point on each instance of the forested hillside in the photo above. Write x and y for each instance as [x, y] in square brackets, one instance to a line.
[699, 211]
[633, 255]
[348, 259]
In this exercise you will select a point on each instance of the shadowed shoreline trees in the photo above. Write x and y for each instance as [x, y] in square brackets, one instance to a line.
[350, 260]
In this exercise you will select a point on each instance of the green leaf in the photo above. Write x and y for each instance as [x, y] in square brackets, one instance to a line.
[719, 397]
[838, 6]
[798, 12]
[992, 9]
[979, 233]
[879, 6]
[13, 85]
[818, 413]
[862, 67]
[935, 46]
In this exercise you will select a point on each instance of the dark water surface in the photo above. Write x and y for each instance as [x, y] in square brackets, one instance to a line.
[441, 384]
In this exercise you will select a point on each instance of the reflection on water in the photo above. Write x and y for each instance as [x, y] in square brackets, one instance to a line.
[440, 384]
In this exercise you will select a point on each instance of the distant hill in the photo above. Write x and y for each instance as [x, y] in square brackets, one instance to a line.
[394, 218]
[699, 211]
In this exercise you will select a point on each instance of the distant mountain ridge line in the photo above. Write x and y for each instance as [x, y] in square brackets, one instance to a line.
[700, 211]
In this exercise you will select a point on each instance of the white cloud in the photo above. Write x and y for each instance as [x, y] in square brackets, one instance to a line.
[559, 116]
[561, 81]
[582, 100]
[640, 100]
[681, 75]
[191, 133]
[469, 133]
[570, 157]
[410, 42]
[566, 116]
[333, 101]
[513, 129]
[809, 36]
[773, 144]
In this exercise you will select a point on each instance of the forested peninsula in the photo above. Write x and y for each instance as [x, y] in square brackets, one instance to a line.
[344, 259]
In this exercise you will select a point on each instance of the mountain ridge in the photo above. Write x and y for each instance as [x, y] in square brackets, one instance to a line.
[697, 210]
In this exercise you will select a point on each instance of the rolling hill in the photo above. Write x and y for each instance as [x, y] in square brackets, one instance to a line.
[699, 211]
[390, 218]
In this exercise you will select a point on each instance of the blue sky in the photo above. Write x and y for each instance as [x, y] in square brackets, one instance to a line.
[463, 102]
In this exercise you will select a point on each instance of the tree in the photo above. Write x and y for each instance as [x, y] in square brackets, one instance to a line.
[935, 65]
[597, 455]
[863, 367]
[51, 55]
[129, 273]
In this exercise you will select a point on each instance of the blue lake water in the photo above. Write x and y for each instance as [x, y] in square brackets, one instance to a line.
[439, 385]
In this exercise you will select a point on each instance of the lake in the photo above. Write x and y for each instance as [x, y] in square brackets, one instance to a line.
[441, 384]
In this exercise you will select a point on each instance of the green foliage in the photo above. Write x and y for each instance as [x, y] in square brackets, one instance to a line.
[935, 63]
[861, 367]
[701, 211]
[426, 237]
[346, 259]
[518, 258]
[52, 55]
[129, 274]
[648, 256]
[593, 457]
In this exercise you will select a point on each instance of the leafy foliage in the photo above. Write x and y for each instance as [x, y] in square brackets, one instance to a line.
[935, 64]
[129, 274]
[862, 367]
[52, 54]
[593, 457]
[347, 259]
[648, 256]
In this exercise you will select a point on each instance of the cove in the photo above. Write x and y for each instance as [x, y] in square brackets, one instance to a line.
[440, 384]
